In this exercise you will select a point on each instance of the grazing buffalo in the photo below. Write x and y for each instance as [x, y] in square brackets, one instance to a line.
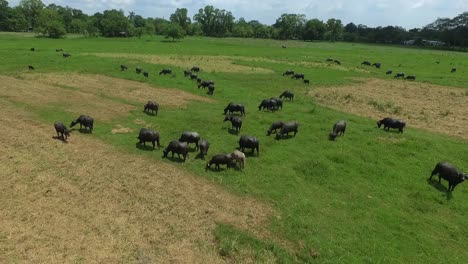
[239, 157]
[449, 173]
[187, 73]
[190, 137]
[298, 76]
[306, 81]
[31, 67]
[288, 72]
[337, 62]
[392, 123]
[179, 148]
[377, 65]
[271, 104]
[329, 60]
[233, 107]
[338, 129]
[220, 159]
[62, 131]
[153, 106]
[123, 67]
[389, 72]
[410, 77]
[195, 69]
[66, 55]
[146, 74]
[204, 145]
[250, 143]
[236, 122]
[211, 89]
[204, 84]
[199, 80]
[438, 62]
[400, 75]
[165, 71]
[276, 125]
[84, 121]
[453, 70]
[289, 95]
[33, 49]
[58, 50]
[193, 76]
[288, 128]
[366, 63]
[138, 70]
[148, 135]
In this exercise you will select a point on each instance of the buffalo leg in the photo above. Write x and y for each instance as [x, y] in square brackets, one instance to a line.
[154, 145]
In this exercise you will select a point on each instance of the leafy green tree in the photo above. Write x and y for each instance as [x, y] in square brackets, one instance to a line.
[215, 22]
[114, 23]
[314, 29]
[181, 18]
[174, 31]
[31, 10]
[334, 29]
[160, 26]
[290, 26]
[16, 20]
[5, 11]
[50, 24]
[242, 29]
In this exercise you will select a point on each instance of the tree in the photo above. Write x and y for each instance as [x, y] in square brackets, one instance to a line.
[160, 26]
[215, 22]
[314, 30]
[50, 24]
[334, 29]
[290, 26]
[174, 31]
[31, 10]
[114, 24]
[181, 18]
[5, 11]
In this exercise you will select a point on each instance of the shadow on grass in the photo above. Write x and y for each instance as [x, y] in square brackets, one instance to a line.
[175, 159]
[61, 139]
[284, 137]
[233, 131]
[149, 113]
[82, 130]
[438, 186]
[143, 147]
[200, 156]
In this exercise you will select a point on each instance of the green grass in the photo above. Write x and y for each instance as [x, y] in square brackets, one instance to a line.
[361, 199]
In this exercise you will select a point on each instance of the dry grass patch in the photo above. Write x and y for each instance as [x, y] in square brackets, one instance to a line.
[205, 62]
[119, 129]
[87, 202]
[432, 107]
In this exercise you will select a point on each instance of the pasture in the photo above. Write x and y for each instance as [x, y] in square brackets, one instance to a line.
[363, 198]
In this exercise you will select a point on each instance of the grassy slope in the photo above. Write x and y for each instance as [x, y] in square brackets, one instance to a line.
[361, 199]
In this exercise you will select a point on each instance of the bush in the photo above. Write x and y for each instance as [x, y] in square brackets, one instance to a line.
[174, 31]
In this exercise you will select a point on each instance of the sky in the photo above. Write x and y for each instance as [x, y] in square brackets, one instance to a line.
[406, 13]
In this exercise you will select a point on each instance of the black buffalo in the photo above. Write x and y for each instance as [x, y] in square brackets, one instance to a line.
[449, 173]
[377, 65]
[58, 50]
[33, 49]
[146, 74]
[337, 62]
[400, 75]
[205, 84]
[306, 81]
[66, 55]
[179, 148]
[187, 73]
[271, 104]
[453, 70]
[138, 70]
[30, 67]
[123, 67]
[153, 106]
[165, 71]
[389, 72]
[193, 76]
[366, 63]
[220, 159]
[204, 145]
[190, 137]
[84, 121]
[339, 128]
[236, 122]
[275, 126]
[298, 76]
[410, 77]
[288, 72]
[289, 95]
[211, 89]
[233, 107]
[62, 130]
[288, 128]
[329, 60]
[250, 143]
[195, 69]
[389, 122]
[148, 135]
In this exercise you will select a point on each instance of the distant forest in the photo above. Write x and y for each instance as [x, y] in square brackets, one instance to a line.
[55, 21]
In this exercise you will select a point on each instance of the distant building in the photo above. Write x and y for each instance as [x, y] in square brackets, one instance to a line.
[424, 42]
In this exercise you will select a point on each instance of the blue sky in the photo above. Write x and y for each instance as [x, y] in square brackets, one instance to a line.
[406, 13]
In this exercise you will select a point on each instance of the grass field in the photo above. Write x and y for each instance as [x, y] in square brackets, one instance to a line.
[100, 198]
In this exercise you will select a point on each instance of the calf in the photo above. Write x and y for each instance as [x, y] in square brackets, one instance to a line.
[366, 63]
[377, 65]
[153, 106]
[249, 142]
[233, 107]
[123, 67]
[146, 74]
[165, 71]
[195, 69]
[288, 128]
[410, 77]
[138, 70]
[306, 81]
[211, 89]
[298, 76]
[276, 125]
[449, 173]
[190, 137]
[389, 72]
[400, 75]
[148, 135]
[236, 122]
[338, 129]
[179, 148]
[84, 121]
[66, 55]
[30, 67]
[389, 122]
[204, 145]
[288, 72]
[289, 95]
[220, 159]
[239, 157]
[62, 131]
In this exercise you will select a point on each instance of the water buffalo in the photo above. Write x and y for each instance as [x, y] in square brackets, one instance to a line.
[236, 122]
[165, 71]
[338, 129]
[195, 69]
[239, 157]
[276, 125]
[146, 74]
[66, 55]
[193, 76]
[288, 128]
[449, 173]
[337, 62]
[33, 49]
[283, 47]
[62, 130]
[288, 72]
[389, 122]
[190, 137]
[366, 63]
[298, 76]
[199, 80]
[30, 67]
[453, 70]
[306, 81]
[138, 70]
[153, 106]
[329, 60]
[204, 84]
[84, 121]
[179, 148]
[249, 142]
[123, 67]
[148, 135]
[204, 145]
[410, 78]
[233, 107]
[211, 89]
[220, 159]
[389, 72]
[289, 95]
[187, 73]
[377, 65]
[58, 50]
[400, 75]
[271, 104]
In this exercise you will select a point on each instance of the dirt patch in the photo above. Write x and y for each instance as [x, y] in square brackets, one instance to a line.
[206, 63]
[117, 88]
[432, 107]
[85, 201]
[119, 129]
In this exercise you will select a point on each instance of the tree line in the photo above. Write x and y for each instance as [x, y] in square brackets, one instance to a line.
[55, 21]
